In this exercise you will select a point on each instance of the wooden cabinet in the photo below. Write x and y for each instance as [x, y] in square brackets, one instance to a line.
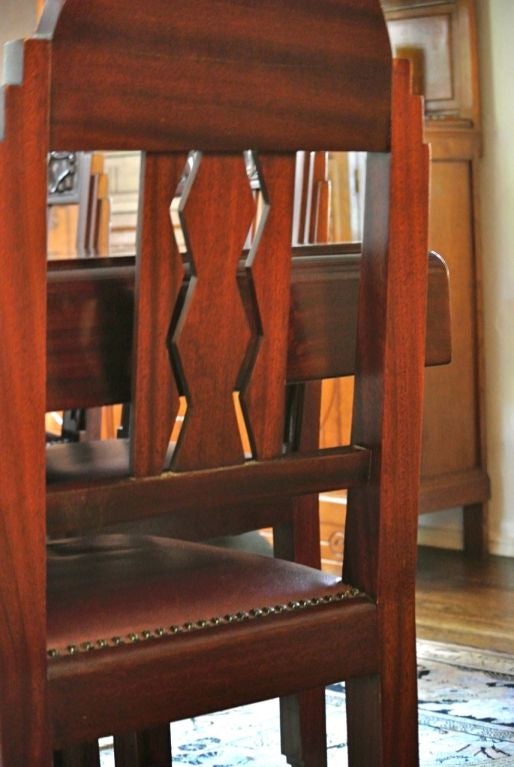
[440, 39]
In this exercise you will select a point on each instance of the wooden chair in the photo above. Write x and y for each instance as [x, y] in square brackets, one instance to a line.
[303, 727]
[296, 538]
[134, 633]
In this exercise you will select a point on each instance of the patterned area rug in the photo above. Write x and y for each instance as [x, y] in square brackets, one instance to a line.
[466, 716]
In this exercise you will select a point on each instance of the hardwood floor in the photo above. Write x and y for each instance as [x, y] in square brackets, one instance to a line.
[465, 601]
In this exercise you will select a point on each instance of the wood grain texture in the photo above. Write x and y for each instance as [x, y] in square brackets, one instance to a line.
[90, 323]
[324, 647]
[23, 735]
[464, 601]
[332, 88]
[104, 502]
[303, 716]
[303, 74]
[297, 538]
[454, 488]
[211, 338]
[89, 334]
[390, 374]
[160, 273]
[268, 270]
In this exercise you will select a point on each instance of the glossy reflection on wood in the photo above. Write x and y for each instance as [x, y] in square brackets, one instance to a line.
[144, 630]
[90, 322]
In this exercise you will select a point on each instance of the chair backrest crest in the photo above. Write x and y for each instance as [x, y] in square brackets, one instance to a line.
[317, 80]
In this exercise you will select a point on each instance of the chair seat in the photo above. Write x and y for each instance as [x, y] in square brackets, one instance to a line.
[112, 589]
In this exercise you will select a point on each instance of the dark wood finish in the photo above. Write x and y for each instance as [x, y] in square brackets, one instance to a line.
[83, 755]
[98, 367]
[74, 507]
[441, 37]
[24, 738]
[90, 322]
[150, 380]
[229, 77]
[474, 521]
[272, 297]
[302, 716]
[299, 628]
[388, 508]
[212, 376]
[83, 705]
[303, 727]
[158, 285]
[150, 748]
[297, 538]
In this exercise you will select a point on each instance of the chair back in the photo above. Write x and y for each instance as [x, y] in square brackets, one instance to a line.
[215, 80]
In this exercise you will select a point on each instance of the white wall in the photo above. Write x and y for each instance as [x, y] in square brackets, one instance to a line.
[17, 19]
[496, 54]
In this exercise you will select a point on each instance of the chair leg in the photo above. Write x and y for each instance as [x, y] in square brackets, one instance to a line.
[149, 748]
[382, 718]
[364, 725]
[303, 730]
[302, 716]
[82, 755]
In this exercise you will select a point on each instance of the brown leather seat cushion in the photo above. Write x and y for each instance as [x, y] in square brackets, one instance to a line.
[113, 585]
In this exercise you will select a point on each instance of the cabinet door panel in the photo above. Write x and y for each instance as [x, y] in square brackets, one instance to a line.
[450, 441]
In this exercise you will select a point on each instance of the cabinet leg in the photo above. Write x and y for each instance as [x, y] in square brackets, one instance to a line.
[475, 542]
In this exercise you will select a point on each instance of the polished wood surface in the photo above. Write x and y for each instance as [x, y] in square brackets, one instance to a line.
[159, 279]
[90, 304]
[77, 503]
[385, 504]
[78, 684]
[232, 78]
[141, 630]
[463, 601]
[23, 318]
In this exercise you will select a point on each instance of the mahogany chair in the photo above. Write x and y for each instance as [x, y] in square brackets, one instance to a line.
[123, 634]
[296, 538]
